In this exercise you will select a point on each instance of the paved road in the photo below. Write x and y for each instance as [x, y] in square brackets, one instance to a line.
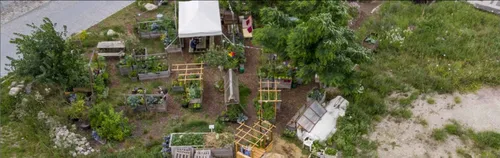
[77, 15]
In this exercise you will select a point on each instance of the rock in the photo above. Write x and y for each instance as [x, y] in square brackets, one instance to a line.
[28, 88]
[110, 32]
[14, 91]
[12, 84]
[20, 86]
[150, 7]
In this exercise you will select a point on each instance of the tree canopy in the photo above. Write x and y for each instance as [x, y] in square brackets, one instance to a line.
[47, 57]
[314, 36]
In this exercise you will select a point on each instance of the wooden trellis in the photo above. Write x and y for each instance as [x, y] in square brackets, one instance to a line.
[186, 70]
[254, 137]
[268, 91]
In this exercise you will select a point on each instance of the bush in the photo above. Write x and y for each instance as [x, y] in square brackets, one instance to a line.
[488, 139]
[454, 129]
[431, 101]
[402, 113]
[78, 110]
[287, 133]
[108, 123]
[439, 134]
[330, 151]
[457, 100]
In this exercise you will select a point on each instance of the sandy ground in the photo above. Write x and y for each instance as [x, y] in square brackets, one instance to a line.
[479, 111]
[14, 9]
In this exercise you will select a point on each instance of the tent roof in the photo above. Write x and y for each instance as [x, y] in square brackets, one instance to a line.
[199, 18]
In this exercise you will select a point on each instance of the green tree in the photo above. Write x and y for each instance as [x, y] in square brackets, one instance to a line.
[46, 56]
[314, 36]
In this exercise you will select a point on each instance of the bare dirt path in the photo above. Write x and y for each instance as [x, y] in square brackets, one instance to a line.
[410, 138]
[251, 80]
[365, 10]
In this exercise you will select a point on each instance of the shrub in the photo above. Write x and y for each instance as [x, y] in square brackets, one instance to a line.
[330, 151]
[287, 133]
[439, 134]
[488, 139]
[219, 126]
[431, 101]
[402, 113]
[78, 110]
[457, 100]
[454, 129]
[108, 123]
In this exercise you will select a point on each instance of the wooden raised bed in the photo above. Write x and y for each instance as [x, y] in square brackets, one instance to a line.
[284, 83]
[192, 149]
[151, 76]
[149, 34]
[124, 71]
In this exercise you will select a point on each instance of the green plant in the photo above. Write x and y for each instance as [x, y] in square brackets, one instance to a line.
[431, 101]
[287, 133]
[196, 105]
[330, 151]
[134, 101]
[316, 94]
[402, 113]
[439, 134]
[48, 57]
[108, 123]
[219, 126]
[188, 139]
[487, 139]
[78, 110]
[192, 126]
[457, 100]
[132, 74]
[463, 153]
[194, 91]
[454, 129]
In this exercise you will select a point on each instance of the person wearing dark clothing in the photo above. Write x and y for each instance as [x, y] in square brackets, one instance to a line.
[193, 43]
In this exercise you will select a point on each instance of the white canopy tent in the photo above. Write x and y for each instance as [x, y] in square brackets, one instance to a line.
[199, 18]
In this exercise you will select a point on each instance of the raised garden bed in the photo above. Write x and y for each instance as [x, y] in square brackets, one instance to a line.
[316, 94]
[219, 144]
[151, 76]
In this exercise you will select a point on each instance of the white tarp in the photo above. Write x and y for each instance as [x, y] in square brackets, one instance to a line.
[199, 18]
[326, 126]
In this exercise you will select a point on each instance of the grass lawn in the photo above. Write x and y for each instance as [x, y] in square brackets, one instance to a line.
[451, 45]
[441, 47]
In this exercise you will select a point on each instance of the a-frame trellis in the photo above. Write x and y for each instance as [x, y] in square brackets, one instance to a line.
[187, 70]
[255, 140]
[268, 89]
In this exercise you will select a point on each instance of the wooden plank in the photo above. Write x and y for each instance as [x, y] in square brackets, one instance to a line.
[193, 73]
[270, 90]
[191, 79]
[187, 64]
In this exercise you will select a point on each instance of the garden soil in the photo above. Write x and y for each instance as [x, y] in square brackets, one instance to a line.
[408, 138]
[288, 149]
